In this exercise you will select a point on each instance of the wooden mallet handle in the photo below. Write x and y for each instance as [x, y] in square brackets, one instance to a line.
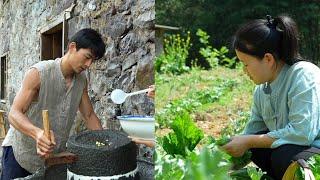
[46, 127]
[46, 123]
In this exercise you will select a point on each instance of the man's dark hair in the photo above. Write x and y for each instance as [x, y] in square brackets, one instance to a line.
[89, 39]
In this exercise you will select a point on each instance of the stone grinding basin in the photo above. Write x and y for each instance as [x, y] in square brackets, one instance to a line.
[145, 168]
[103, 154]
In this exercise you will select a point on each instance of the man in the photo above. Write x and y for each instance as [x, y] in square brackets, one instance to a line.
[152, 91]
[150, 143]
[60, 87]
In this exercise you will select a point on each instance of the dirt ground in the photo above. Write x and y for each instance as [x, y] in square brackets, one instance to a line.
[217, 117]
[213, 122]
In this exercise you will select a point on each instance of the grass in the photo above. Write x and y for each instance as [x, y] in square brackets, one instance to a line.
[218, 101]
[210, 117]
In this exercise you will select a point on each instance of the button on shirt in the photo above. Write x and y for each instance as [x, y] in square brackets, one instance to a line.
[291, 111]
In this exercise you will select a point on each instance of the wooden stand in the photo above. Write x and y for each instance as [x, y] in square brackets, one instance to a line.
[3, 131]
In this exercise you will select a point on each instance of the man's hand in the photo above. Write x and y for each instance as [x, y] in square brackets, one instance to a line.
[237, 146]
[44, 145]
[152, 91]
[149, 143]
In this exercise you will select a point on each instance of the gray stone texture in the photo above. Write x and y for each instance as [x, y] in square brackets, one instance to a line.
[116, 153]
[127, 27]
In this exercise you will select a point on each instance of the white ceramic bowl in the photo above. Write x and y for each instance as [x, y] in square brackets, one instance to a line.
[138, 126]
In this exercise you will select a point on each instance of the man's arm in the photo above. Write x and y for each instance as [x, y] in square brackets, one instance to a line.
[17, 118]
[86, 109]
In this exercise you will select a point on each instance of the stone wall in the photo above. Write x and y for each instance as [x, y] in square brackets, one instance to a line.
[127, 27]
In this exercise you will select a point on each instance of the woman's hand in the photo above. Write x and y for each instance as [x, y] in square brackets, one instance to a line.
[237, 146]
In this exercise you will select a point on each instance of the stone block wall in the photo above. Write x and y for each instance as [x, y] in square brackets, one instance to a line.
[127, 27]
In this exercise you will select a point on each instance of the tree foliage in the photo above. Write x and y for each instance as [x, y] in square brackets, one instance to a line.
[221, 18]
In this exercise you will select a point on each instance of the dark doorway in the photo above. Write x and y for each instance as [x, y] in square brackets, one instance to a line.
[51, 43]
[3, 75]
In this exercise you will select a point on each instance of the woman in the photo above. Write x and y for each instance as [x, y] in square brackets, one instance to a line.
[285, 119]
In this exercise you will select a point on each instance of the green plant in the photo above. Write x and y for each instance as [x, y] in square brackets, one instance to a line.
[168, 167]
[173, 59]
[191, 92]
[314, 164]
[250, 172]
[165, 116]
[221, 19]
[254, 173]
[237, 162]
[212, 94]
[222, 140]
[213, 55]
[185, 136]
[240, 162]
[236, 126]
[208, 164]
[193, 100]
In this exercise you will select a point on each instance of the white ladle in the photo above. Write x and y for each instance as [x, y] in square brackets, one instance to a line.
[118, 96]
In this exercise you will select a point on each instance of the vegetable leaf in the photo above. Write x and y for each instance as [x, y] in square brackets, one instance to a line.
[185, 136]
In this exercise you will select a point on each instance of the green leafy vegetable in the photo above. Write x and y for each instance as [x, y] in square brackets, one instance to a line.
[185, 136]
[252, 173]
[209, 164]
[237, 162]
[314, 163]
[240, 162]
[222, 140]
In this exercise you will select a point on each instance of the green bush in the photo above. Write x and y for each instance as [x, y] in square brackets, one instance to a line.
[214, 56]
[221, 19]
[173, 59]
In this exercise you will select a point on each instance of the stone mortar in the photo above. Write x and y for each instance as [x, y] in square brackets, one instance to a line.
[116, 156]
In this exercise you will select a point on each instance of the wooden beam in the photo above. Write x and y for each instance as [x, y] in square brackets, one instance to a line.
[3, 131]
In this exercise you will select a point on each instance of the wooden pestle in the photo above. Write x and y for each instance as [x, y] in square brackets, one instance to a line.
[46, 126]
[55, 159]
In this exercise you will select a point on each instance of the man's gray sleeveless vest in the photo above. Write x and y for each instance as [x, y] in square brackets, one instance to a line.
[62, 104]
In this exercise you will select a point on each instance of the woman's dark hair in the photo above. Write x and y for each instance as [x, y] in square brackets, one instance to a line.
[278, 36]
[89, 39]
